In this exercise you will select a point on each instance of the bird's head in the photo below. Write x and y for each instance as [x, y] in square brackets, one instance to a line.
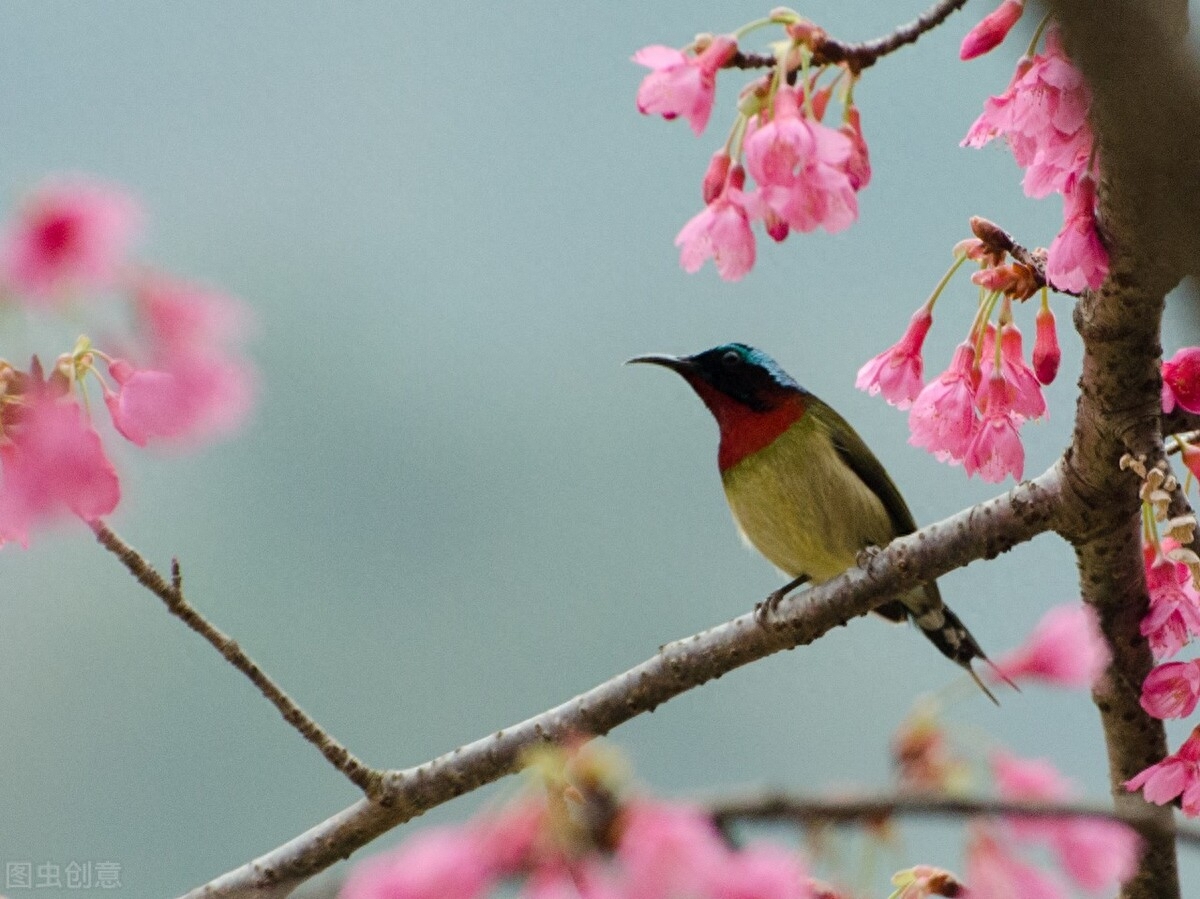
[751, 397]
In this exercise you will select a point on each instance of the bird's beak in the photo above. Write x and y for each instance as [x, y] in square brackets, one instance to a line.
[683, 366]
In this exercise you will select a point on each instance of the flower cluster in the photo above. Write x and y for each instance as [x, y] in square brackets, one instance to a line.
[971, 413]
[1043, 117]
[581, 839]
[70, 242]
[807, 173]
[1172, 688]
[1096, 855]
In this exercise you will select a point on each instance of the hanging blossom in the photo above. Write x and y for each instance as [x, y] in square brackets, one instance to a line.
[194, 385]
[991, 30]
[581, 839]
[1097, 855]
[971, 413]
[71, 234]
[1043, 117]
[1178, 775]
[180, 376]
[52, 462]
[807, 174]
[1174, 614]
[682, 85]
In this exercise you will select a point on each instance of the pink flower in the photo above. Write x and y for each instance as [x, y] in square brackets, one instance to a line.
[721, 231]
[1174, 615]
[195, 388]
[1191, 457]
[896, 372]
[179, 316]
[53, 463]
[1176, 775]
[1171, 690]
[1077, 260]
[1021, 384]
[996, 449]
[431, 865]
[1046, 353]
[801, 167]
[1097, 854]
[202, 398]
[667, 851]
[780, 148]
[994, 873]
[1181, 380]
[858, 166]
[1043, 115]
[682, 85]
[715, 176]
[70, 235]
[943, 419]
[760, 872]
[992, 29]
[1066, 648]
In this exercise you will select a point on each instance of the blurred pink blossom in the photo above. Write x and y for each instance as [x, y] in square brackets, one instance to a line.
[70, 234]
[1181, 380]
[1065, 648]
[53, 463]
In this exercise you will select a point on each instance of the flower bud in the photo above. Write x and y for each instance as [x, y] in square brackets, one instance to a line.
[714, 178]
[1046, 353]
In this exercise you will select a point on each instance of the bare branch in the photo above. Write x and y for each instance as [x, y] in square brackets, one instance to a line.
[804, 810]
[365, 778]
[858, 56]
[982, 531]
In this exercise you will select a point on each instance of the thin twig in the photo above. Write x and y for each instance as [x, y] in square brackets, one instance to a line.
[1000, 241]
[805, 810]
[858, 56]
[365, 778]
[982, 531]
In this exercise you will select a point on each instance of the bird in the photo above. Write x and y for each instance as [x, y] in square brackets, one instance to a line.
[804, 488]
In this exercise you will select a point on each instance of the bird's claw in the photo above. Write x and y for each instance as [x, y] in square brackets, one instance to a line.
[765, 609]
[866, 554]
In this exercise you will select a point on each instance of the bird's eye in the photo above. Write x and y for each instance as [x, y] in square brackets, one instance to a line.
[732, 358]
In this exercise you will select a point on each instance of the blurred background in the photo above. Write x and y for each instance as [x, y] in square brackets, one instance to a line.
[454, 507]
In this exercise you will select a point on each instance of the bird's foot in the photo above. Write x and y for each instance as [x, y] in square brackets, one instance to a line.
[866, 554]
[765, 609]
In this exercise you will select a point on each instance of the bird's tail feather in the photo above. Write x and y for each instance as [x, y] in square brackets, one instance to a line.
[946, 631]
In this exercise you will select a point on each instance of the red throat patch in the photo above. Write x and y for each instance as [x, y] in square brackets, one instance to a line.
[744, 431]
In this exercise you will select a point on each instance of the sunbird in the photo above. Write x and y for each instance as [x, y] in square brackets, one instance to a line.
[804, 489]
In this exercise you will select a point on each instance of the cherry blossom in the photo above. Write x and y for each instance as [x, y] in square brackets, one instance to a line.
[1077, 260]
[1172, 689]
[996, 449]
[1176, 775]
[70, 235]
[1066, 648]
[943, 418]
[721, 232]
[1181, 380]
[896, 372]
[682, 85]
[991, 30]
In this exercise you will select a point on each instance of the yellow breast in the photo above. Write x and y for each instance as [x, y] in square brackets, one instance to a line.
[799, 505]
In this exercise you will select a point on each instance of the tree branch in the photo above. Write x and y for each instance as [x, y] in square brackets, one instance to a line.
[804, 810]
[1148, 203]
[858, 56]
[982, 531]
[365, 778]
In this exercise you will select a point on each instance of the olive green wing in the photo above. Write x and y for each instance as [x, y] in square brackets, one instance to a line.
[857, 456]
